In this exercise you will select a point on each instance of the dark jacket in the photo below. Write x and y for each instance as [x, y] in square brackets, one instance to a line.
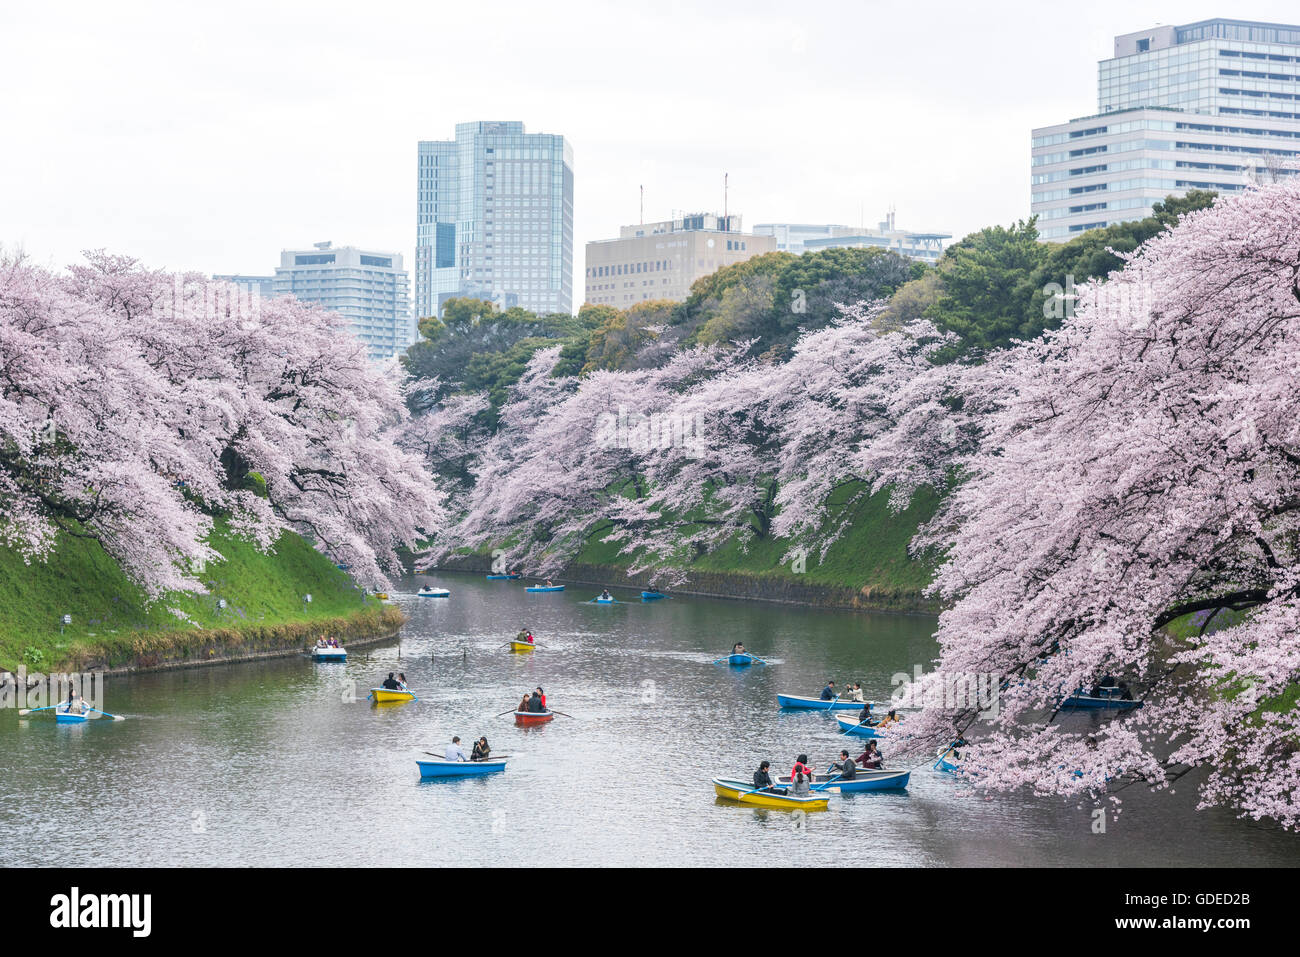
[535, 703]
[391, 684]
[762, 779]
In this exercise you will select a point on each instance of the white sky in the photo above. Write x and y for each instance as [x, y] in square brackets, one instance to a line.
[211, 136]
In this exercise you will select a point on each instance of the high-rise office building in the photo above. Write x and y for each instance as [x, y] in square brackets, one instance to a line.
[494, 219]
[661, 260]
[369, 289]
[806, 237]
[1210, 105]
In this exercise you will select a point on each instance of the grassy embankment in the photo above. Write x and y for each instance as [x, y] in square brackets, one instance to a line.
[870, 560]
[113, 625]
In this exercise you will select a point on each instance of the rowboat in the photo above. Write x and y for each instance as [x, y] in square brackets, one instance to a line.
[944, 764]
[855, 727]
[386, 695]
[744, 793]
[64, 716]
[652, 595]
[522, 645]
[806, 703]
[863, 780]
[604, 601]
[742, 660]
[499, 578]
[329, 654]
[544, 588]
[382, 595]
[1108, 700]
[442, 768]
[427, 592]
[525, 718]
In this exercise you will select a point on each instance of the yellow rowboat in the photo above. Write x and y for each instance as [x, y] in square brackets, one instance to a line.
[385, 696]
[744, 793]
[522, 645]
[382, 595]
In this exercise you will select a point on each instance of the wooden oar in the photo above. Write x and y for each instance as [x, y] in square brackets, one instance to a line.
[504, 713]
[115, 717]
[48, 707]
[561, 713]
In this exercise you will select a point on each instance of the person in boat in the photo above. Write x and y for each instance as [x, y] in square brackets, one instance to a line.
[870, 759]
[828, 693]
[856, 693]
[888, 719]
[548, 583]
[390, 683]
[535, 703]
[481, 750]
[864, 716]
[455, 752]
[763, 779]
[525, 703]
[848, 770]
[738, 648]
[401, 681]
[542, 695]
[605, 595]
[799, 783]
[802, 771]
[75, 704]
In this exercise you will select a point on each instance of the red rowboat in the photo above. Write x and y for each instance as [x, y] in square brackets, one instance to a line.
[525, 718]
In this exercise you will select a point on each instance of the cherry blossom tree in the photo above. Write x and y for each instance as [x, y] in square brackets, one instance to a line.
[1141, 470]
[135, 404]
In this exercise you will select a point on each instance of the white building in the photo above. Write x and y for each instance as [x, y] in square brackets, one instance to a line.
[1211, 105]
[805, 237]
[369, 289]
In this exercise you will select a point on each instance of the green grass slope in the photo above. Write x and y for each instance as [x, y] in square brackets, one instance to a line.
[80, 579]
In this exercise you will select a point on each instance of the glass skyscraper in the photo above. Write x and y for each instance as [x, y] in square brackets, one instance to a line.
[1211, 105]
[494, 219]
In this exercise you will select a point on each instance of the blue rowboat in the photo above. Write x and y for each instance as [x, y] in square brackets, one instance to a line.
[329, 654]
[867, 780]
[544, 588]
[442, 768]
[434, 593]
[604, 601]
[498, 578]
[62, 716]
[743, 660]
[945, 762]
[854, 727]
[652, 595]
[807, 703]
[1108, 700]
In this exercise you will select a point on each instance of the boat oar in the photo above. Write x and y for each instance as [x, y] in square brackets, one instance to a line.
[26, 711]
[504, 713]
[562, 714]
[115, 717]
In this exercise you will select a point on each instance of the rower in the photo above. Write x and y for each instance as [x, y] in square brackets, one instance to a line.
[605, 595]
[391, 683]
[828, 693]
[763, 780]
[856, 693]
[481, 750]
[848, 770]
[888, 719]
[535, 703]
[864, 716]
[870, 759]
[454, 751]
[738, 648]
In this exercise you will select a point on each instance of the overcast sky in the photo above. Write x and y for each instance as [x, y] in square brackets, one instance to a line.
[211, 137]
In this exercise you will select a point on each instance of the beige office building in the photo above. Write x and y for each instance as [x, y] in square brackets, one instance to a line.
[661, 260]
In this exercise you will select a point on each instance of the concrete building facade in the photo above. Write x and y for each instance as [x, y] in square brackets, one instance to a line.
[661, 260]
[1209, 105]
[370, 289]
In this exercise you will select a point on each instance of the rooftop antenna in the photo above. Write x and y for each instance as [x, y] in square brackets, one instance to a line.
[643, 204]
[725, 186]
